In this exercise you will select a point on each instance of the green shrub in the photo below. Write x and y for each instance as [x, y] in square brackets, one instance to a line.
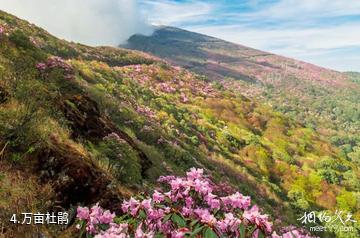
[122, 160]
[21, 40]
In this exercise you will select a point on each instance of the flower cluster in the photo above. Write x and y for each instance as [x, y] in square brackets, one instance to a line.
[146, 111]
[184, 98]
[165, 87]
[291, 232]
[189, 208]
[95, 217]
[56, 62]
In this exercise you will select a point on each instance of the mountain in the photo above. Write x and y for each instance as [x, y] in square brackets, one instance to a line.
[322, 99]
[80, 125]
[218, 59]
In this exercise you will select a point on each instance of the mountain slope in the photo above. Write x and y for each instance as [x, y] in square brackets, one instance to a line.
[322, 99]
[80, 124]
[218, 59]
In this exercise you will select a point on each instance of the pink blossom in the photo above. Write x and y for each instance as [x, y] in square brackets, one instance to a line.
[184, 98]
[176, 183]
[195, 198]
[189, 202]
[139, 232]
[237, 200]
[158, 197]
[179, 233]
[165, 179]
[205, 216]
[195, 173]
[114, 231]
[132, 204]
[146, 204]
[107, 217]
[156, 214]
[229, 224]
[138, 68]
[253, 215]
[83, 213]
[41, 66]
[167, 88]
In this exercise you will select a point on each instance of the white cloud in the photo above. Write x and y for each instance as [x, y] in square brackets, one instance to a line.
[93, 22]
[311, 8]
[317, 31]
[328, 47]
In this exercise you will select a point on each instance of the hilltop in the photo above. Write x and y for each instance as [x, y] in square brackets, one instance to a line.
[80, 125]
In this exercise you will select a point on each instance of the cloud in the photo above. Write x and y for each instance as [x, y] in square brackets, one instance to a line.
[322, 32]
[302, 9]
[329, 47]
[93, 22]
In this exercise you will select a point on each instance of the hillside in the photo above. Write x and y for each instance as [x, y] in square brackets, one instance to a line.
[80, 125]
[322, 99]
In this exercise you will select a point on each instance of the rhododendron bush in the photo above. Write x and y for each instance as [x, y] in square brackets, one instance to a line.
[193, 207]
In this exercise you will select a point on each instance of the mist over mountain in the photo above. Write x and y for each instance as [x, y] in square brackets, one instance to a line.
[92, 22]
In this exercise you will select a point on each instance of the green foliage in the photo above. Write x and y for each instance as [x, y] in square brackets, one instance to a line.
[346, 201]
[122, 160]
[21, 40]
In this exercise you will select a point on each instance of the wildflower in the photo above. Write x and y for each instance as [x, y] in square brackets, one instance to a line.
[179, 233]
[176, 184]
[158, 197]
[107, 217]
[133, 205]
[146, 204]
[83, 213]
[192, 197]
[205, 216]
[253, 215]
[237, 200]
[138, 68]
[184, 98]
[195, 173]
[41, 66]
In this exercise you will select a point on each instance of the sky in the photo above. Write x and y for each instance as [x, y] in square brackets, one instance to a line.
[323, 32]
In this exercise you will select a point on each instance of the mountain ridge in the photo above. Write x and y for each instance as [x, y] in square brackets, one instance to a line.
[171, 38]
[263, 52]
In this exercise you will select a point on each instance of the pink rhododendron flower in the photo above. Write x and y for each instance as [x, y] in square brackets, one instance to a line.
[255, 217]
[191, 203]
[205, 216]
[83, 213]
[195, 173]
[158, 197]
[237, 200]
[54, 62]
